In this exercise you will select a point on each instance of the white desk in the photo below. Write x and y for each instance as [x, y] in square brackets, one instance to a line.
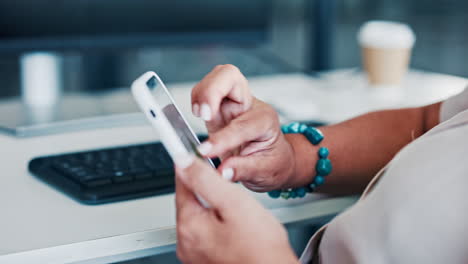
[40, 224]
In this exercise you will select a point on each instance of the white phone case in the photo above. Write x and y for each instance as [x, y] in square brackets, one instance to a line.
[155, 115]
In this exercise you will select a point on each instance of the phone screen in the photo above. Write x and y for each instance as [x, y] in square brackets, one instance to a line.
[172, 113]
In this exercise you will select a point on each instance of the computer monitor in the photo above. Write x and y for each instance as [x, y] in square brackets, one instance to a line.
[32, 29]
[89, 24]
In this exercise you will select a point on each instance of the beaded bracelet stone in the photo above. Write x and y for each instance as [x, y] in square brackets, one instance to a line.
[322, 168]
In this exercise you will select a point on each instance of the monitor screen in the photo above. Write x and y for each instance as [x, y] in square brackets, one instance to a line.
[59, 24]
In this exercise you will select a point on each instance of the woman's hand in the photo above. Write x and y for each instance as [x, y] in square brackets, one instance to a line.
[235, 229]
[243, 131]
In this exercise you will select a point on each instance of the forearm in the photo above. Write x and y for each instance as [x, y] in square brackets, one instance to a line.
[360, 147]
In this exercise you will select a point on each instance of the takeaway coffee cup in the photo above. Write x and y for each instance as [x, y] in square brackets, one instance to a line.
[386, 50]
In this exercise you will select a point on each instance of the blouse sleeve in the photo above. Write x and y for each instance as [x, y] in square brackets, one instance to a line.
[311, 254]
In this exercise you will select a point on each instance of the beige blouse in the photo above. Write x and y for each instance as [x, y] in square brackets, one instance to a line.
[415, 210]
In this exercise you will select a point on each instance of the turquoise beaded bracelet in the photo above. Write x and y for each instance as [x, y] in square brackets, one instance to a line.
[322, 168]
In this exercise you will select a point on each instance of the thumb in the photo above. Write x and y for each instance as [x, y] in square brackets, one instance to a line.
[205, 181]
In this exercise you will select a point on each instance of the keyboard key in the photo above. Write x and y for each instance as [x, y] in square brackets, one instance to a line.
[97, 183]
[120, 176]
[142, 174]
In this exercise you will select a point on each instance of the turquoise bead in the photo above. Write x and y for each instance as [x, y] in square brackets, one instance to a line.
[313, 135]
[302, 128]
[323, 153]
[274, 194]
[285, 195]
[294, 127]
[292, 194]
[319, 180]
[301, 192]
[323, 167]
[284, 129]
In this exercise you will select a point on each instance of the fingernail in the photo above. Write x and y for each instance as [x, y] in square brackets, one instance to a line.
[184, 160]
[205, 148]
[196, 110]
[205, 112]
[228, 174]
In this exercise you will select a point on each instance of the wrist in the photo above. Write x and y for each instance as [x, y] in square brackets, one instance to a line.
[304, 158]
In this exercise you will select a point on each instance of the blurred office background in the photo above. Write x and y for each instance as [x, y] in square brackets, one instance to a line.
[441, 46]
[289, 45]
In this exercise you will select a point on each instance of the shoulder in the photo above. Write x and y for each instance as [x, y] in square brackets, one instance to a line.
[418, 206]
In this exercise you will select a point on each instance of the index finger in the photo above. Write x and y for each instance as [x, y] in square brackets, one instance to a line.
[224, 82]
[258, 124]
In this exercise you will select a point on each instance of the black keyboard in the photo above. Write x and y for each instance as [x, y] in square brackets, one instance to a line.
[109, 175]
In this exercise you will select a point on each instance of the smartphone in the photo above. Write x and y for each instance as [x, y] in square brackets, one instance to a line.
[162, 112]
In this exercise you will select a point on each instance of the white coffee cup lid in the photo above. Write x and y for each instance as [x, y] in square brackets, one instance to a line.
[386, 34]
